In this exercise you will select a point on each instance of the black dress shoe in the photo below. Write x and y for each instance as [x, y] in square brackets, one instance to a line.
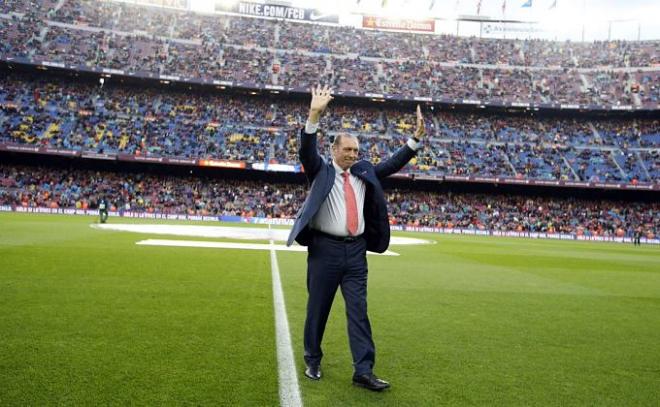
[370, 381]
[313, 372]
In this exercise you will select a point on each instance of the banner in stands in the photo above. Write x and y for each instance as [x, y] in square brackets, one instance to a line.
[180, 4]
[502, 28]
[277, 11]
[275, 167]
[404, 24]
[223, 164]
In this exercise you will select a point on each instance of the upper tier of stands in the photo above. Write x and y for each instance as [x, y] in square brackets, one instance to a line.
[157, 41]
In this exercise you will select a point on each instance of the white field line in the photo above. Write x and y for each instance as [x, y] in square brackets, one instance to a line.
[289, 390]
[288, 378]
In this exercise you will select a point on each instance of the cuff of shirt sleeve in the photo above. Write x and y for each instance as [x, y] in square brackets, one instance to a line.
[310, 128]
[414, 145]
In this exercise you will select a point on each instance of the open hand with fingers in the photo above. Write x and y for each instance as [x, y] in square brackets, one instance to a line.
[321, 96]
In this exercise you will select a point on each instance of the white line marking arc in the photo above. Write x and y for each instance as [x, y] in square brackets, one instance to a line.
[288, 378]
[234, 245]
[229, 232]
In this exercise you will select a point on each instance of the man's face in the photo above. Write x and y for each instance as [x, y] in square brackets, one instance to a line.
[346, 152]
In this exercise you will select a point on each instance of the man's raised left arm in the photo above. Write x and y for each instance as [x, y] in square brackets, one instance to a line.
[405, 153]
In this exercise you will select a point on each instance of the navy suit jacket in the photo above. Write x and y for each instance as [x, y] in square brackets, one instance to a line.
[322, 176]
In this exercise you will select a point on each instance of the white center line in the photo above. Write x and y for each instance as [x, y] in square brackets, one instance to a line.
[288, 379]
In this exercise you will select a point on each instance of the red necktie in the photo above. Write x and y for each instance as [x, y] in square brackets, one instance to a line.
[351, 206]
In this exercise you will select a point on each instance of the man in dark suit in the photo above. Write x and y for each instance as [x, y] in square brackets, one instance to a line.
[344, 215]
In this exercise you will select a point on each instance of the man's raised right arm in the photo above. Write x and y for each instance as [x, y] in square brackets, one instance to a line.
[308, 152]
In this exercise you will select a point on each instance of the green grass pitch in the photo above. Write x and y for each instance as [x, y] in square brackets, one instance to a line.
[89, 318]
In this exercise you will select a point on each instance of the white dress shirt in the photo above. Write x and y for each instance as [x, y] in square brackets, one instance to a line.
[331, 217]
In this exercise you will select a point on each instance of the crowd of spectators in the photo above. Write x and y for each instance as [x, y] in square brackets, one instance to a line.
[82, 115]
[155, 40]
[349, 40]
[523, 213]
[19, 34]
[34, 7]
[82, 189]
[55, 112]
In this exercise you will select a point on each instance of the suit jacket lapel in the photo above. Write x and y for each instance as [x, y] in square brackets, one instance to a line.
[361, 170]
[330, 173]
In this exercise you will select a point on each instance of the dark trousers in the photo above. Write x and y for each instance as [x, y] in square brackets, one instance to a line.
[332, 264]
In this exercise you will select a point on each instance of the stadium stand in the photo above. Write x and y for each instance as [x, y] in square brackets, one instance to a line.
[25, 186]
[158, 41]
[75, 116]
[67, 114]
